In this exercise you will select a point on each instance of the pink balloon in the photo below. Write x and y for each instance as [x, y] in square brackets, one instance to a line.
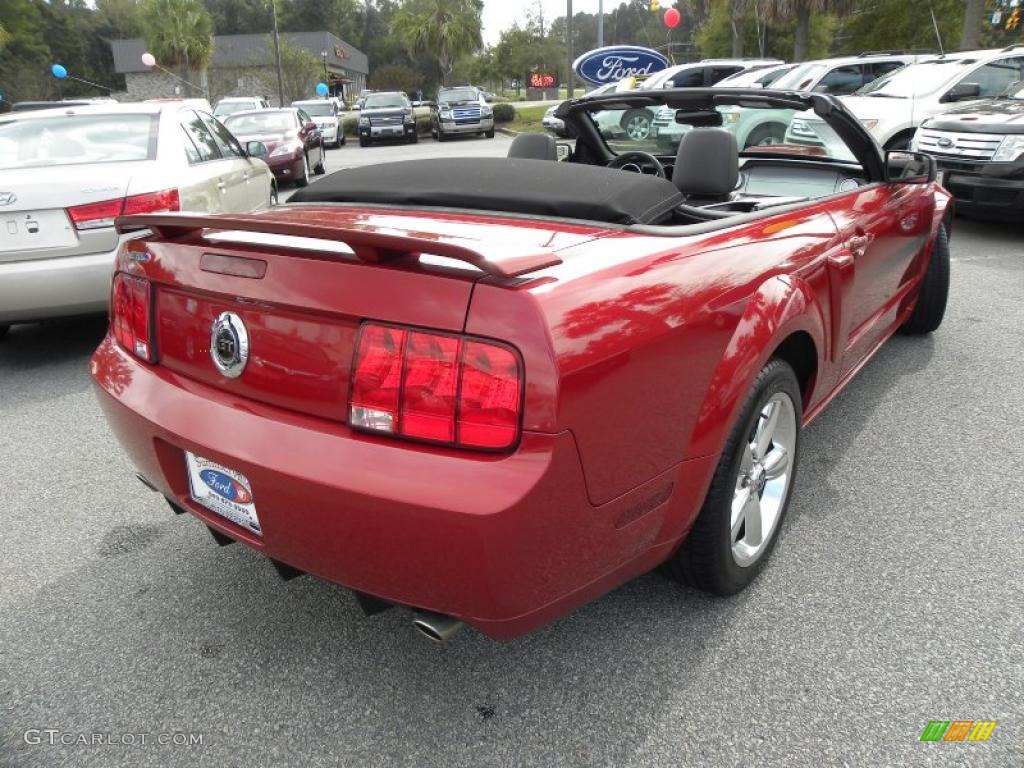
[149, 59]
[672, 18]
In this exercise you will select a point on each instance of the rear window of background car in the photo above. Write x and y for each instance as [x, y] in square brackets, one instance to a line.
[73, 139]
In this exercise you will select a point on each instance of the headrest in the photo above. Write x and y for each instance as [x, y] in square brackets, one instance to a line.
[707, 163]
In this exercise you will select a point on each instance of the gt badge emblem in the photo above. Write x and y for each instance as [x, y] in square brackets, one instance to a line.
[229, 344]
[944, 142]
[6, 198]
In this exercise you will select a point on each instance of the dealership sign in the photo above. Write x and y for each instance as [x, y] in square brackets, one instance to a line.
[614, 62]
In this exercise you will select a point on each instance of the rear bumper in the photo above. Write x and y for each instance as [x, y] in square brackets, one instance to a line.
[504, 543]
[56, 287]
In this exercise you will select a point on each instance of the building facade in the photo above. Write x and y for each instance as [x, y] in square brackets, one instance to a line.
[244, 65]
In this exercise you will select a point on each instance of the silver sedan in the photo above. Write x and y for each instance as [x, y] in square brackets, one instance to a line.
[66, 173]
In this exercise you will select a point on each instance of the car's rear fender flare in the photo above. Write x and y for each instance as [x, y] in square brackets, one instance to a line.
[783, 306]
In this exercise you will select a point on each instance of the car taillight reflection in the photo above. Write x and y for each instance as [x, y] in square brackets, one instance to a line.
[130, 315]
[103, 213]
[440, 388]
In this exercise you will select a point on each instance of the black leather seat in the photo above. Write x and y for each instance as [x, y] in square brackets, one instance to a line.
[707, 166]
[533, 146]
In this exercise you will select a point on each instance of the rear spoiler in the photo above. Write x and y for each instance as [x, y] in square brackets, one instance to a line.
[368, 245]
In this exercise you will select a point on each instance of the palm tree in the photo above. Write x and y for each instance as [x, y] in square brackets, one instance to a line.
[179, 33]
[780, 10]
[445, 30]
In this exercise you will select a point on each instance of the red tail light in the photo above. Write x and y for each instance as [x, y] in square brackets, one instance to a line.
[436, 387]
[129, 315]
[102, 214]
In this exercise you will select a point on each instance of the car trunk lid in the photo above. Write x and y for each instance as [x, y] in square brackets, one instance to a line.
[34, 221]
[302, 280]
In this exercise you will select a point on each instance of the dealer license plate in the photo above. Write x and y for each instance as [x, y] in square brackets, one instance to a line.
[222, 490]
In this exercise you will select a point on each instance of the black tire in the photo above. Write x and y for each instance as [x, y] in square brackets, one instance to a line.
[773, 133]
[341, 137]
[489, 134]
[441, 135]
[364, 142]
[274, 200]
[705, 559]
[931, 300]
[321, 168]
[303, 180]
[414, 138]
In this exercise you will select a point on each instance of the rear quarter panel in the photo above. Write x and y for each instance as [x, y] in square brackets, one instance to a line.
[650, 335]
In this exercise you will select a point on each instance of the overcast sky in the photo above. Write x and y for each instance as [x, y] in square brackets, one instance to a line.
[501, 14]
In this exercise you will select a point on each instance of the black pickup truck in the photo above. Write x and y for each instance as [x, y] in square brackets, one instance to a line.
[979, 150]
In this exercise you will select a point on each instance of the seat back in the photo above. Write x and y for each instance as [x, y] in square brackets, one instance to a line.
[533, 146]
[707, 165]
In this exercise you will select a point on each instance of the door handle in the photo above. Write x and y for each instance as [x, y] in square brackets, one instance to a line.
[221, 186]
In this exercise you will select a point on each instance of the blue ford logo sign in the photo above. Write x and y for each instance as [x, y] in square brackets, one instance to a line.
[614, 62]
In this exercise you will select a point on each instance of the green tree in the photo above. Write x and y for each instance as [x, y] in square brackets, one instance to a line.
[971, 26]
[179, 33]
[239, 17]
[444, 30]
[801, 11]
[888, 25]
[395, 77]
[342, 17]
[770, 39]
[25, 58]
[300, 72]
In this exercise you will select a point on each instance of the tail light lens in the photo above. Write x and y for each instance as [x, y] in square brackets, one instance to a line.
[102, 214]
[129, 315]
[440, 388]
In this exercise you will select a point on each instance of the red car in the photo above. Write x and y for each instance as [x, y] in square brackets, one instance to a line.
[491, 390]
[295, 146]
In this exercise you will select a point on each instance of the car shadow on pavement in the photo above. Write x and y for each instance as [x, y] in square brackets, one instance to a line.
[54, 342]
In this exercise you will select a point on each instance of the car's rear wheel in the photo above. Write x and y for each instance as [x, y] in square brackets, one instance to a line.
[742, 514]
[931, 301]
[303, 180]
[321, 168]
[770, 133]
[637, 124]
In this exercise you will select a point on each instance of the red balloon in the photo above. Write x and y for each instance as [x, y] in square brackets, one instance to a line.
[672, 18]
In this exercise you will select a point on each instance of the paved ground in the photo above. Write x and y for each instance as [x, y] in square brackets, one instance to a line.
[893, 598]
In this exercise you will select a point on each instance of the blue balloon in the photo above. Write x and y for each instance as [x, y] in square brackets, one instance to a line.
[322, 89]
[59, 71]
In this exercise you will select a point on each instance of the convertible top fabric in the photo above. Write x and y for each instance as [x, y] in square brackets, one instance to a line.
[510, 185]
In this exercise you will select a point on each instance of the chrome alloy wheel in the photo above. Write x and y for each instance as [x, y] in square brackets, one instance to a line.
[638, 127]
[763, 479]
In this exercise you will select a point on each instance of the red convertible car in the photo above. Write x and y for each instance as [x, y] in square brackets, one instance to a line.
[491, 390]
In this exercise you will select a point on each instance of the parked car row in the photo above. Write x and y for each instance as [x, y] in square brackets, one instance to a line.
[963, 108]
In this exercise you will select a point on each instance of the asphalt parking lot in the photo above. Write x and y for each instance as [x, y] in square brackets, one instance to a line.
[893, 598]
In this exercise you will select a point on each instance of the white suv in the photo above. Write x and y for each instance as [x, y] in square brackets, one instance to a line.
[754, 127]
[893, 107]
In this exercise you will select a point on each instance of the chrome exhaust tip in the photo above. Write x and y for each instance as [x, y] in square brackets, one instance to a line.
[435, 626]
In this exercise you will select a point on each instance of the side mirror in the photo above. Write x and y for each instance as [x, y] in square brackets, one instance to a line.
[963, 92]
[902, 167]
[310, 126]
[255, 149]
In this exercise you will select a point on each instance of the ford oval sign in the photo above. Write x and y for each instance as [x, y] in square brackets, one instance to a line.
[225, 486]
[614, 62]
